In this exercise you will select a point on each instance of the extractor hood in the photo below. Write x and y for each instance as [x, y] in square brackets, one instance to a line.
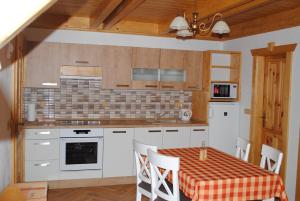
[81, 72]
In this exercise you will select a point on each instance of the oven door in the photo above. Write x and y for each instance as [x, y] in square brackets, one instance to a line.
[81, 153]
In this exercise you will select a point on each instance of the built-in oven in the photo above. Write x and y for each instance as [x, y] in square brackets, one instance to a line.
[81, 149]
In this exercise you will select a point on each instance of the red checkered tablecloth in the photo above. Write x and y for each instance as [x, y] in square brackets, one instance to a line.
[224, 177]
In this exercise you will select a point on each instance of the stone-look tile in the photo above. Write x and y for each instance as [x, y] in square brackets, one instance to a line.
[85, 99]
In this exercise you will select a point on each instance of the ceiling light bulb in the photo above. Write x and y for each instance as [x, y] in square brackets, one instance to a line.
[221, 27]
[179, 23]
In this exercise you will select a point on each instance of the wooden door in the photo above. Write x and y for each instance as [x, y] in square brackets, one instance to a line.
[193, 66]
[273, 102]
[117, 67]
[43, 62]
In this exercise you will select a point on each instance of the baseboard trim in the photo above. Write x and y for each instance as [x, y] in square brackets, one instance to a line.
[79, 183]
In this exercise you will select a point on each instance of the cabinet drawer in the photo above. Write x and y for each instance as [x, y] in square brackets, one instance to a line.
[176, 137]
[198, 135]
[41, 134]
[42, 149]
[41, 170]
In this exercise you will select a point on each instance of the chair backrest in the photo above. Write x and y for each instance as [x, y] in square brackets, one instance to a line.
[142, 162]
[242, 149]
[161, 166]
[271, 155]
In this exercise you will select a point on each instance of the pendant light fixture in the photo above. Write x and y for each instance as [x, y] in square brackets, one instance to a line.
[187, 29]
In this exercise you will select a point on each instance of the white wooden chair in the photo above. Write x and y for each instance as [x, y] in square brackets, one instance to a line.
[271, 155]
[242, 149]
[143, 174]
[161, 166]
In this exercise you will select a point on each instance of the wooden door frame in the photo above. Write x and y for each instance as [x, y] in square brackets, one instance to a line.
[256, 122]
[298, 173]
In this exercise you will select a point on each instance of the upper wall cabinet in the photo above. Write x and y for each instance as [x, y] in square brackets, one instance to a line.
[171, 59]
[145, 65]
[193, 64]
[145, 57]
[117, 67]
[43, 62]
[82, 55]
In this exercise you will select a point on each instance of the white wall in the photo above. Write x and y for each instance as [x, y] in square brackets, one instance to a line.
[84, 37]
[6, 81]
[286, 36]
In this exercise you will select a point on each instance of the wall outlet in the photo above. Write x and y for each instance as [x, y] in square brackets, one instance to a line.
[178, 104]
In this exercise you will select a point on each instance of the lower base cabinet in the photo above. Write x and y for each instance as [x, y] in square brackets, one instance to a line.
[41, 170]
[118, 152]
[176, 137]
[150, 136]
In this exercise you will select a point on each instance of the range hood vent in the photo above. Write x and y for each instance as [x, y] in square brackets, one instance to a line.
[81, 72]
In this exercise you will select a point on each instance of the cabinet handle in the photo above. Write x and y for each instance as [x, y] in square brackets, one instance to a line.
[119, 131]
[43, 143]
[154, 131]
[43, 133]
[81, 62]
[42, 164]
[192, 87]
[122, 85]
[171, 131]
[201, 129]
[151, 86]
[167, 87]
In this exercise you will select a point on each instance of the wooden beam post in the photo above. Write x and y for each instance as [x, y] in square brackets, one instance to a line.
[121, 12]
[102, 13]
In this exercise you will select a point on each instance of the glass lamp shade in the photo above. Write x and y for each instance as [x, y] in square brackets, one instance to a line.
[179, 23]
[221, 27]
[184, 33]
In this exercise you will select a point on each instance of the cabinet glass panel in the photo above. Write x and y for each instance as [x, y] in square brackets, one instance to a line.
[173, 75]
[145, 74]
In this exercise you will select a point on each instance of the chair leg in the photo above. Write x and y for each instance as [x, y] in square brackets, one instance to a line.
[138, 196]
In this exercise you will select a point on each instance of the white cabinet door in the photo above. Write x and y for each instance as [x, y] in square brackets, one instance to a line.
[42, 149]
[199, 134]
[118, 152]
[176, 137]
[150, 136]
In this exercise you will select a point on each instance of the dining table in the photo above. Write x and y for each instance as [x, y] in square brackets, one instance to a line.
[223, 177]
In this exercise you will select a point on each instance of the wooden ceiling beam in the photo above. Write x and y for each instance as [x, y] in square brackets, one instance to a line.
[281, 20]
[102, 13]
[122, 11]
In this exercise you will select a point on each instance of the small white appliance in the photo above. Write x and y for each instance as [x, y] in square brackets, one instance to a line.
[223, 90]
[185, 114]
[81, 149]
[223, 125]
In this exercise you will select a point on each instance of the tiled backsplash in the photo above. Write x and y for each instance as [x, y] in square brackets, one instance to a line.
[78, 98]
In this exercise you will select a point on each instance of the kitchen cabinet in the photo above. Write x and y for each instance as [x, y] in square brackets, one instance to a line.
[145, 78]
[193, 67]
[150, 136]
[42, 67]
[117, 67]
[41, 154]
[171, 59]
[176, 137]
[199, 134]
[118, 152]
[145, 57]
[172, 79]
[82, 55]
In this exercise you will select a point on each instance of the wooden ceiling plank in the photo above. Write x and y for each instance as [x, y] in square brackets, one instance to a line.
[121, 12]
[101, 14]
[281, 20]
[239, 7]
